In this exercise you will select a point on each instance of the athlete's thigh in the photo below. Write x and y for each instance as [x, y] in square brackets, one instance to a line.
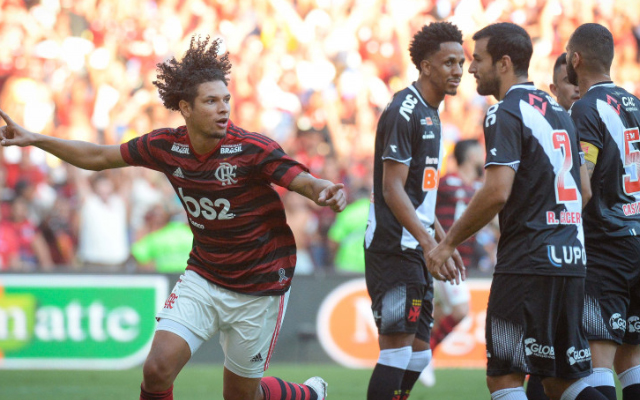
[249, 332]
[397, 286]
[611, 298]
[169, 352]
[192, 304]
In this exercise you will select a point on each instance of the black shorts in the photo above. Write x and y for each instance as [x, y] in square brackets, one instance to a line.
[401, 293]
[612, 290]
[534, 326]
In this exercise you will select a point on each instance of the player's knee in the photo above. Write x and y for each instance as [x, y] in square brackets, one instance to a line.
[240, 393]
[495, 383]
[554, 387]
[157, 373]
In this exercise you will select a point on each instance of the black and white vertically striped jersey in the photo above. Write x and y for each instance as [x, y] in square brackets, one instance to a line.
[541, 223]
[409, 132]
[608, 117]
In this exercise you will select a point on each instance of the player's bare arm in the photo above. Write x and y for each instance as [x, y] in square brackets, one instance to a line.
[586, 171]
[320, 191]
[484, 205]
[81, 154]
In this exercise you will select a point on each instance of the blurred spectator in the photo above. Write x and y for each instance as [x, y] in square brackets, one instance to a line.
[347, 233]
[313, 74]
[23, 246]
[103, 243]
[166, 247]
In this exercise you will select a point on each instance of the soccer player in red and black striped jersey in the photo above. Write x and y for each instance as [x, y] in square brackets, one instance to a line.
[244, 254]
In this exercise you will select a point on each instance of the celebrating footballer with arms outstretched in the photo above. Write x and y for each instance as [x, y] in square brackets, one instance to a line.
[243, 257]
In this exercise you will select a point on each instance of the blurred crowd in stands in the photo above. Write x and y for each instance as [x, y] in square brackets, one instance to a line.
[312, 74]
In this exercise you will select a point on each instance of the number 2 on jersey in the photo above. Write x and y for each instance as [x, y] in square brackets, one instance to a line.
[561, 143]
[631, 159]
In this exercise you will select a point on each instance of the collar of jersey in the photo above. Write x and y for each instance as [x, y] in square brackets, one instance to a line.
[603, 84]
[526, 85]
[417, 92]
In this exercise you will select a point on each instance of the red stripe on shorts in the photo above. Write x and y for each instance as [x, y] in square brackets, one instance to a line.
[276, 332]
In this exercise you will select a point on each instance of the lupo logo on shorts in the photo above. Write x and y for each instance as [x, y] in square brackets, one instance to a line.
[577, 356]
[617, 322]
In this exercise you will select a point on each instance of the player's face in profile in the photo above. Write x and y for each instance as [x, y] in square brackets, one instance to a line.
[484, 70]
[445, 68]
[565, 92]
[210, 111]
[572, 76]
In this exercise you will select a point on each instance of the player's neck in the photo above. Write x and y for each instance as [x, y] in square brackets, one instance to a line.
[467, 174]
[428, 94]
[508, 81]
[201, 143]
[585, 81]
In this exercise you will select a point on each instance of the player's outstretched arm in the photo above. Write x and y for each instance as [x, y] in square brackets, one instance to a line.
[81, 154]
[320, 191]
[485, 204]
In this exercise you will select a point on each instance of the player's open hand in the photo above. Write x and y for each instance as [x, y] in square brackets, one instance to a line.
[334, 197]
[13, 134]
[440, 264]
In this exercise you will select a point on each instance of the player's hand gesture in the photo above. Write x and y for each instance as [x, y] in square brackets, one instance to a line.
[13, 134]
[440, 264]
[334, 197]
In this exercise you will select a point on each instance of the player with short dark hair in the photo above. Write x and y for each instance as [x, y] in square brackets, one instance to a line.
[607, 119]
[533, 180]
[402, 222]
[243, 257]
[566, 93]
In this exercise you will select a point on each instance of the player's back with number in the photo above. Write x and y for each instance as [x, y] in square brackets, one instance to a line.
[542, 219]
[607, 118]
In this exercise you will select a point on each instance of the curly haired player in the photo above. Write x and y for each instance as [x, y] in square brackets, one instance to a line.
[243, 258]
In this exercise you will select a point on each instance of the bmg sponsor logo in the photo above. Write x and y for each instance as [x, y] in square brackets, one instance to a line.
[531, 348]
[617, 322]
[577, 356]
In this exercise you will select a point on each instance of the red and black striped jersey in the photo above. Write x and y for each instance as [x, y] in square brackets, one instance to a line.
[241, 238]
[453, 198]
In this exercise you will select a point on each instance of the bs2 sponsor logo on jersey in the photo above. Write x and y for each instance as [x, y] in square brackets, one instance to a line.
[577, 356]
[617, 322]
[205, 207]
[531, 348]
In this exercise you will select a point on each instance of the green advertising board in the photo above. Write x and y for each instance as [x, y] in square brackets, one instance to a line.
[78, 321]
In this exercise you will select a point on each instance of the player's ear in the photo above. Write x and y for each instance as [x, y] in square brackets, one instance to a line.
[554, 89]
[425, 67]
[185, 108]
[504, 64]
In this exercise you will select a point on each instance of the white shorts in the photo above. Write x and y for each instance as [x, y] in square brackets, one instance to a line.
[248, 325]
[447, 295]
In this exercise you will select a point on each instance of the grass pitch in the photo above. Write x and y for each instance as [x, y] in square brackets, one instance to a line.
[200, 382]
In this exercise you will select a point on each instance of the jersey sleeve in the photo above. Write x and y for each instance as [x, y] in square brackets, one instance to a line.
[277, 167]
[139, 152]
[587, 121]
[397, 128]
[503, 138]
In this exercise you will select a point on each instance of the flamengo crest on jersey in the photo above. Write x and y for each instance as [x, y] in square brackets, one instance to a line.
[241, 239]
[408, 132]
[541, 223]
[608, 117]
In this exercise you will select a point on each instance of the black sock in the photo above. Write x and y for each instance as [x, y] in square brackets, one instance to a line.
[608, 391]
[535, 390]
[631, 392]
[592, 393]
[385, 383]
[408, 380]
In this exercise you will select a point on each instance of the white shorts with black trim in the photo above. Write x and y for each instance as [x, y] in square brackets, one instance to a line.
[248, 325]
